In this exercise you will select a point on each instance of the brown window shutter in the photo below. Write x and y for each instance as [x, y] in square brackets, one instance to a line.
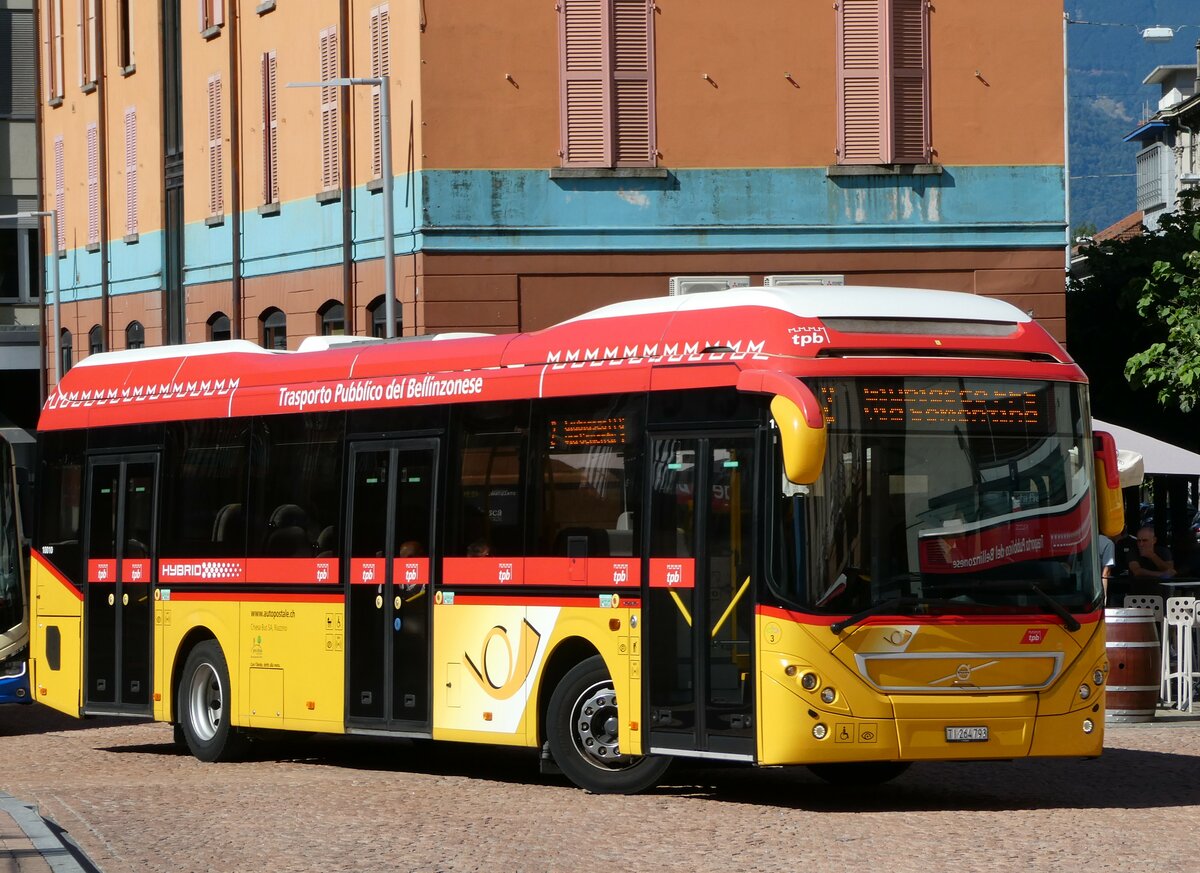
[861, 100]
[330, 144]
[131, 180]
[270, 130]
[910, 82]
[60, 193]
[93, 184]
[633, 85]
[585, 82]
[380, 67]
[57, 10]
[216, 181]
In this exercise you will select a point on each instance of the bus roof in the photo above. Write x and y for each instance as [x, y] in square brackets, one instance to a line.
[665, 342]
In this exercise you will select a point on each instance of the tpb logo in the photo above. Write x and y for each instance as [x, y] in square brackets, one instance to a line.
[808, 336]
[323, 571]
[368, 572]
[135, 573]
[504, 573]
[674, 574]
[410, 574]
[102, 573]
[620, 574]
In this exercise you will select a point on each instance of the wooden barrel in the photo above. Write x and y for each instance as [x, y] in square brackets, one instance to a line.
[1134, 665]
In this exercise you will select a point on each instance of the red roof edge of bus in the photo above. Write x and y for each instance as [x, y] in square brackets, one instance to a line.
[776, 382]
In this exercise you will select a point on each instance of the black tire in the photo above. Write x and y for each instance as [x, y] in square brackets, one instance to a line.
[202, 704]
[582, 730]
[860, 772]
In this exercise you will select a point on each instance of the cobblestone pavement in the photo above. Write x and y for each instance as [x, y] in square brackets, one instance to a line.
[133, 801]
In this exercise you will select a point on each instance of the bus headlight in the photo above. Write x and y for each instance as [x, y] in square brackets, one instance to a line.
[1098, 676]
[1084, 691]
[828, 695]
[808, 681]
[1088, 726]
[820, 731]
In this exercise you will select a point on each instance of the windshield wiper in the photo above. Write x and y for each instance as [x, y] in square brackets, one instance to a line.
[1057, 608]
[887, 606]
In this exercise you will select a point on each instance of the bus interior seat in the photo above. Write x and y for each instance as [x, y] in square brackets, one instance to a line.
[327, 542]
[288, 534]
[229, 523]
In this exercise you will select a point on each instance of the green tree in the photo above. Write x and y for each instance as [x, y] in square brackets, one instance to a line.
[1106, 327]
[1170, 301]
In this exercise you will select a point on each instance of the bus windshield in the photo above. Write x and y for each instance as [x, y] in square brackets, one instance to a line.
[943, 495]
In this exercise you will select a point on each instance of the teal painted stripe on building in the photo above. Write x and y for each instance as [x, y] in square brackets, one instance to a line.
[514, 211]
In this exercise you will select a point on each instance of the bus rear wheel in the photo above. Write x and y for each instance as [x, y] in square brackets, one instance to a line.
[853, 773]
[582, 727]
[202, 700]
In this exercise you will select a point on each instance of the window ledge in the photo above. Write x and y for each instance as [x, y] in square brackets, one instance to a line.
[265, 7]
[129, 70]
[269, 209]
[324, 197]
[375, 186]
[88, 88]
[608, 173]
[92, 248]
[210, 32]
[215, 220]
[130, 238]
[54, 102]
[883, 170]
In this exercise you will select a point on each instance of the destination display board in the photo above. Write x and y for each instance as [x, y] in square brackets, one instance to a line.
[565, 433]
[896, 405]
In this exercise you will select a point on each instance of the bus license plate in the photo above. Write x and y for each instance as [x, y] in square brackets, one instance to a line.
[966, 734]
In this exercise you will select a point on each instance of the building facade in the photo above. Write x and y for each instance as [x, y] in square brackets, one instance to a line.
[20, 242]
[550, 157]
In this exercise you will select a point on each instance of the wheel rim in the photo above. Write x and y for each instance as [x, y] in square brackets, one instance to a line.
[594, 727]
[206, 702]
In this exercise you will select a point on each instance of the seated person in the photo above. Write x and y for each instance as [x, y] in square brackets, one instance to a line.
[411, 549]
[479, 549]
[1151, 559]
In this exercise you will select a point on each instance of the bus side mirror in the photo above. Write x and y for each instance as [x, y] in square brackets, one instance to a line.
[1108, 485]
[803, 440]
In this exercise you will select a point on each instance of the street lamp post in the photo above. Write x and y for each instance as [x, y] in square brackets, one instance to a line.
[385, 146]
[53, 273]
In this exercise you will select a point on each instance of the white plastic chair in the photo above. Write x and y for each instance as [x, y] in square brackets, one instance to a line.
[1181, 615]
[1154, 603]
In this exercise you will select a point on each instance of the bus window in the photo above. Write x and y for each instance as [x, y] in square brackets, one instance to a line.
[60, 487]
[204, 487]
[487, 510]
[588, 486]
[295, 489]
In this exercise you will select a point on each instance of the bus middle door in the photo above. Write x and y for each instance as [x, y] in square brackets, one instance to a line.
[390, 528]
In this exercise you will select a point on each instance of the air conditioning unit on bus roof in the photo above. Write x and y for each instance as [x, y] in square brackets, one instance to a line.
[792, 279]
[701, 284]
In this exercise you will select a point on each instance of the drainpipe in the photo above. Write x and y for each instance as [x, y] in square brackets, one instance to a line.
[235, 176]
[102, 160]
[347, 183]
[42, 226]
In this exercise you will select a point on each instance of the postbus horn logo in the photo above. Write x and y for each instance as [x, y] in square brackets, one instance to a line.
[501, 675]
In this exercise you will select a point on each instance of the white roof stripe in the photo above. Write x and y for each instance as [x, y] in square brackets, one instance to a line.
[833, 301]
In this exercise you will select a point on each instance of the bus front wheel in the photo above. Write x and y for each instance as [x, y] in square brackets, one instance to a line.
[203, 701]
[582, 727]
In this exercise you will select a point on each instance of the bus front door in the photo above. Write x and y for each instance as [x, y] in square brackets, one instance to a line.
[700, 612]
[390, 535]
[119, 604]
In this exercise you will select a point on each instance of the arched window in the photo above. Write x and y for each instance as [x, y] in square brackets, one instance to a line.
[333, 319]
[135, 335]
[95, 340]
[378, 313]
[274, 329]
[218, 327]
[65, 357]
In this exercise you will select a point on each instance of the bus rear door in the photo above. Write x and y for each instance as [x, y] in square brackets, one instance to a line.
[699, 596]
[120, 512]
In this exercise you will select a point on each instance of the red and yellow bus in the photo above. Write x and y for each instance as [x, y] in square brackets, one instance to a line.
[848, 528]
